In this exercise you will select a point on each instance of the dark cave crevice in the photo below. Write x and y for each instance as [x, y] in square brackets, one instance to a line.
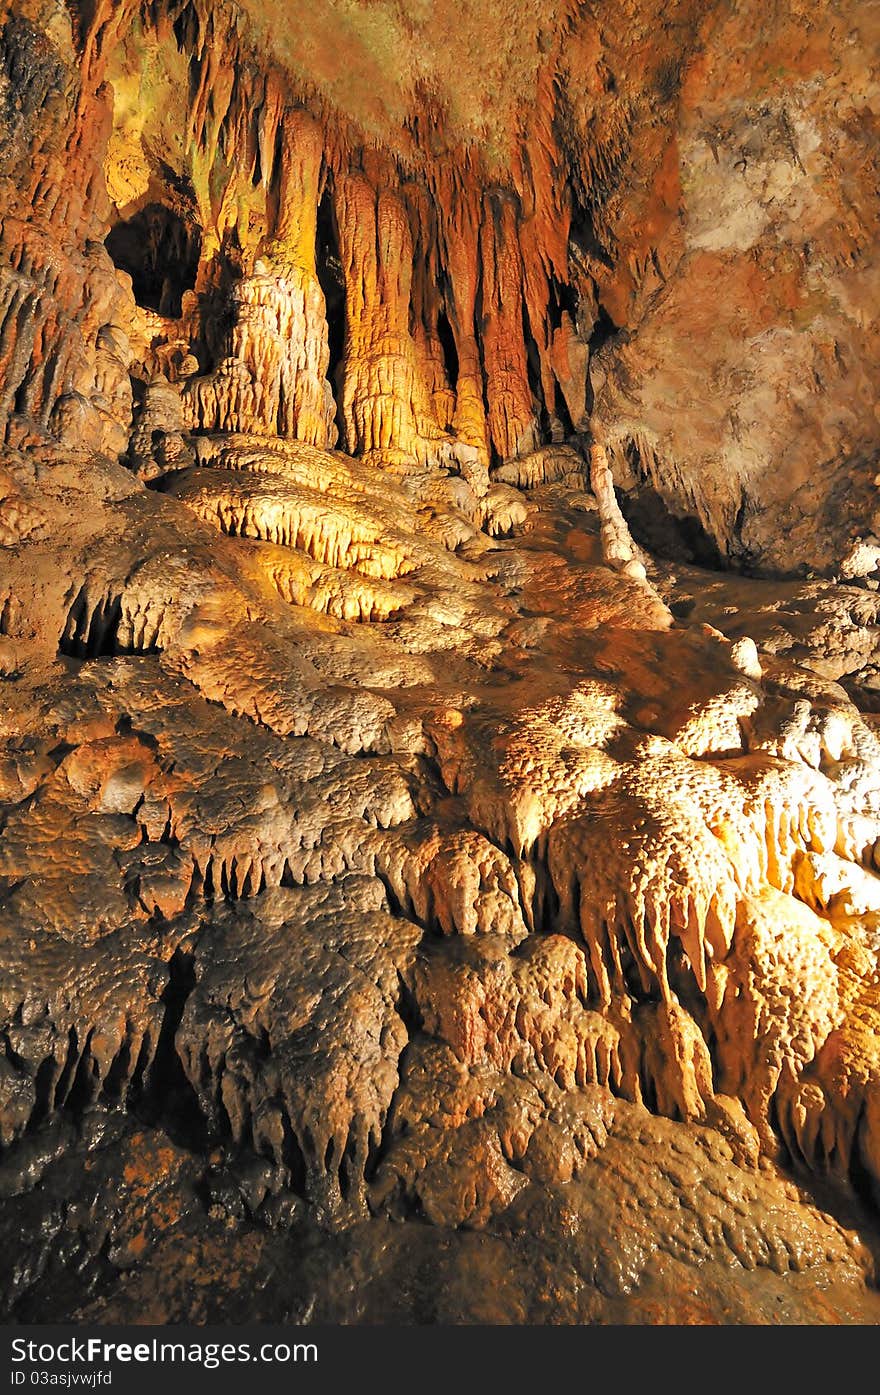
[533, 368]
[166, 1098]
[562, 414]
[665, 534]
[563, 301]
[450, 353]
[160, 248]
[331, 277]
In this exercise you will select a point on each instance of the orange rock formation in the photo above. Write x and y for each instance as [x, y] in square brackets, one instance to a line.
[394, 815]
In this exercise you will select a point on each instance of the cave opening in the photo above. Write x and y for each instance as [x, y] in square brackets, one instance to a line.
[604, 329]
[603, 332]
[563, 301]
[450, 353]
[160, 248]
[328, 260]
[653, 524]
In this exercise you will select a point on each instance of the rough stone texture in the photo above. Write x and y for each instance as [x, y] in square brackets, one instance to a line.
[404, 874]
[744, 393]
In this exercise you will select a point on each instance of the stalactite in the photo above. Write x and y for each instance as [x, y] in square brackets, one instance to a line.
[512, 410]
[437, 843]
[386, 404]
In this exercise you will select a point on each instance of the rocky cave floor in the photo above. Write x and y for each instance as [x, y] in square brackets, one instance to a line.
[406, 924]
[420, 902]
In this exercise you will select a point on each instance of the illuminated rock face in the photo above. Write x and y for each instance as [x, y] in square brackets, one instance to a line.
[382, 823]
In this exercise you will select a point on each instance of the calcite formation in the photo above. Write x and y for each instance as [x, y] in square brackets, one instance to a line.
[439, 763]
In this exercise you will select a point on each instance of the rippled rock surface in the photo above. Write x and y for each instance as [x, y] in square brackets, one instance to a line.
[428, 893]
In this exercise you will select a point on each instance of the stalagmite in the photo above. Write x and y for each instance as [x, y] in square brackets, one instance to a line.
[617, 544]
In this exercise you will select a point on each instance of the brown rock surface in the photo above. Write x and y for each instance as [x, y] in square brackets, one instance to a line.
[417, 901]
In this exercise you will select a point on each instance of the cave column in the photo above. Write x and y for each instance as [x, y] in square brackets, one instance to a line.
[295, 308]
[513, 428]
[387, 408]
[272, 379]
[461, 227]
[427, 305]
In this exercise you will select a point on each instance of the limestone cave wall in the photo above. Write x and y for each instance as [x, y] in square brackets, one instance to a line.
[440, 776]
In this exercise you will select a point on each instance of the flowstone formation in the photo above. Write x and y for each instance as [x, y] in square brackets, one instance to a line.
[425, 893]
